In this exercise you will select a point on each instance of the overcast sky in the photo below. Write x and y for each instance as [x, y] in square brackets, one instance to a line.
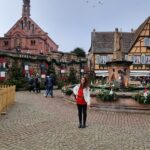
[70, 22]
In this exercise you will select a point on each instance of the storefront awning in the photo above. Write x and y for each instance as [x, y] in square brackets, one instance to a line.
[139, 73]
[102, 73]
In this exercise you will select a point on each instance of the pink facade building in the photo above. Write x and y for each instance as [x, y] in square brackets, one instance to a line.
[27, 37]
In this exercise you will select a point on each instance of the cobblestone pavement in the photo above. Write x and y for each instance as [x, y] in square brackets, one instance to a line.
[39, 123]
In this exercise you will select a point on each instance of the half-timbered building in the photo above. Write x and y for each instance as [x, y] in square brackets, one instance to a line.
[135, 46]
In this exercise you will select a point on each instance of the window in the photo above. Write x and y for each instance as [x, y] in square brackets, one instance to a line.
[33, 42]
[32, 28]
[126, 57]
[136, 59]
[143, 59]
[5, 43]
[17, 42]
[97, 59]
[102, 59]
[29, 25]
[21, 25]
[25, 21]
[147, 41]
[108, 58]
[51, 48]
[147, 59]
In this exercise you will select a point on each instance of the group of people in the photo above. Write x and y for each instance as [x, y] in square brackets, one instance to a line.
[34, 84]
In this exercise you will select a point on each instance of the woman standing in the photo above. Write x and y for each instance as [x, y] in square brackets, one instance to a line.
[82, 95]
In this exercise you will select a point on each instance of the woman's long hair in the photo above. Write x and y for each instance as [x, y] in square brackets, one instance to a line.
[85, 85]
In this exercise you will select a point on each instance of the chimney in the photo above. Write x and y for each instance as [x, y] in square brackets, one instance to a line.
[117, 53]
[116, 30]
[116, 39]
[93, 33]
[92, 38]
[132, 30]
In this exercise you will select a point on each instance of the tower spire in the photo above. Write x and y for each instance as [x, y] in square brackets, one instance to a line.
[26, 8]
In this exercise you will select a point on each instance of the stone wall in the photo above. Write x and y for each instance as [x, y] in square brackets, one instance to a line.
[33, 64]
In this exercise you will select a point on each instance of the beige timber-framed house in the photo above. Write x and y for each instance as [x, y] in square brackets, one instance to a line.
[135, 46]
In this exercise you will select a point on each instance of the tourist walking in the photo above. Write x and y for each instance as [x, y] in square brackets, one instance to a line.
[82, 96]
[37, 83]
[31, 84]
[49, 83]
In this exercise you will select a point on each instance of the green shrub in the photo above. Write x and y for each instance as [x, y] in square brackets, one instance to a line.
[20, 83]
[115, 86]
[42, 85]
[105, 95]
[148, 85]
[60, 84]
[63, 89]
[68, 91]
[142, 99]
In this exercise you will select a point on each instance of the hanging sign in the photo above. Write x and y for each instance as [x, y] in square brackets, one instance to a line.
[26, 67]
[2, 74]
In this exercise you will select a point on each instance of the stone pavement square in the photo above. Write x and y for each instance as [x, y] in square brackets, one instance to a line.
[39, 123]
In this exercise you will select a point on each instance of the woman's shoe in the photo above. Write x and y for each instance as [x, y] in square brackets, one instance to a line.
[84, 126]
[80, 126]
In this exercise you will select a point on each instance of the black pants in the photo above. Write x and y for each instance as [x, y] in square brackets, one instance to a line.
[49, 90]
[37, 88]
[31, 88]
[82, 113]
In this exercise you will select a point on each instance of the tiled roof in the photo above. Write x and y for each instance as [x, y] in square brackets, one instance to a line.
[127, 39]
[103, 42]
